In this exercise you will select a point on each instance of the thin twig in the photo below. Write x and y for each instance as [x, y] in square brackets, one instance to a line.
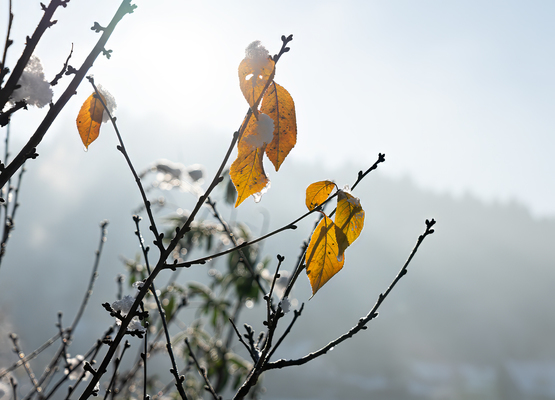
[7, 44]
[361, 325]
[268, 297]
[231, 236]
[296, 315]
[117, 362]
[94, 275]
[13, 383]
[51, 368]
[158, 237]
[20, 354]
[202, 372]
[203, 260]
[30, 356]
[251, 351]
[60, 74]
[144, 356]
[9, 220]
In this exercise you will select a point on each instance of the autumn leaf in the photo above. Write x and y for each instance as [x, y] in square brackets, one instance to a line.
[317, 193]
[254, 75]
[247, 171]
[349, 218]
[89, 119]
[322, 255]
[279, 105]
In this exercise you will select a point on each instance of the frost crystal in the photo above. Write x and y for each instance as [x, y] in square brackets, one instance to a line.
[257, 55]
[263, 131]
[35, 90]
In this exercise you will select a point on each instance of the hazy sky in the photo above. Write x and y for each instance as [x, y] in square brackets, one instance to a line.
[459, 95]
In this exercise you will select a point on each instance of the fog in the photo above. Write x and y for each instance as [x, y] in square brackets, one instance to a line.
[471, 319]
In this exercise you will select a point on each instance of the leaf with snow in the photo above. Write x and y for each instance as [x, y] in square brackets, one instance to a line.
[317, 193]
[349, 218]
[279, 105]
[92, 114]
[89, 119]
[255, 72]
[323, 259]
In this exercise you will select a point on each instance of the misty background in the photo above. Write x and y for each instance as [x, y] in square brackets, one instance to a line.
[459, 96]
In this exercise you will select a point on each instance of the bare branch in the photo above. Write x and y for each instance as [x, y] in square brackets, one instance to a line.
[202, 372]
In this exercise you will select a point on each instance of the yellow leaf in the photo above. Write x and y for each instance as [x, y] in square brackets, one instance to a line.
[317, 193]
[247, 171]
[322, 255]
[89, 119]
[279, 105]
[349, 218]
[253, 80]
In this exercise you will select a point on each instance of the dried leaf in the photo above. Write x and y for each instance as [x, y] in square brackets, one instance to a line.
[279, 105]
[318, 192]
[349, 218]
[253, 79]
[322, 255]
[89, 119]
[247, 171]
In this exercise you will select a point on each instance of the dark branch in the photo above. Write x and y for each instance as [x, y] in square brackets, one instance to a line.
[64, 70]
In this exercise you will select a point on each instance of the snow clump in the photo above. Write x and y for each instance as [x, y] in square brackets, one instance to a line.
[35, 90]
